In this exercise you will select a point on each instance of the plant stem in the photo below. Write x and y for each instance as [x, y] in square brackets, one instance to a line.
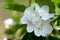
[47, 38]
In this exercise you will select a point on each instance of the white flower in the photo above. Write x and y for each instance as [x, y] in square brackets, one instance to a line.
[8, 22]
[37, 20]
[43, 12]
[5, 38]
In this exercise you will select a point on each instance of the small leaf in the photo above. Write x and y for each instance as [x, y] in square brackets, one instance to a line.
[9, 31]
[21, 31]
[55, 37]
[16, 7]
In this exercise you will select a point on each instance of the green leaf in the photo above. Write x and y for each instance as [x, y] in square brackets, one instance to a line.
[16, 7]
[46, 2]
[57, 10]
[12, 5]
[58, 21]
[21, 31]
[59, 5]
[11, 1]
[15, 28]
[56, 2]
[56, 37]
[9, 31]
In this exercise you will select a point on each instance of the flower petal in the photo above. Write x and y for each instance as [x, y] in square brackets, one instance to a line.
[38, 22]
[37, 32]
[29, 14]
[30, 28]
[45, 8]
[48, 16]
[46, 30]
[37, 7]
[23, 20]
[28, 11]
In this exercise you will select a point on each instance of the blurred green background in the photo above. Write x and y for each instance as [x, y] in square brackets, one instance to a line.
[5, 13]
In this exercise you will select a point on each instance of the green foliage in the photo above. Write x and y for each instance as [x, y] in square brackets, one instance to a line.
[10, 2]
[21, 31]
[15, 7]
[9, 31]
[57, 10]
[53, 38]
[15, 28]
[31, 36]
[12, 5]
[58, 21]
[56, 2]
[57, 6]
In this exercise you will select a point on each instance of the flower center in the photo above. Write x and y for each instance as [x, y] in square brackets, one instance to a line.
[33, 18]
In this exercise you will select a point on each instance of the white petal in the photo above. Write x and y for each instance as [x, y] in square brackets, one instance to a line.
[46, 30]
[46, 17]
[37, 7]
[45, 8]
[28, 11]
[5, 38]
[23, 20]
[37, 32]
[30, 28]
[38, 22]
[8, 21]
